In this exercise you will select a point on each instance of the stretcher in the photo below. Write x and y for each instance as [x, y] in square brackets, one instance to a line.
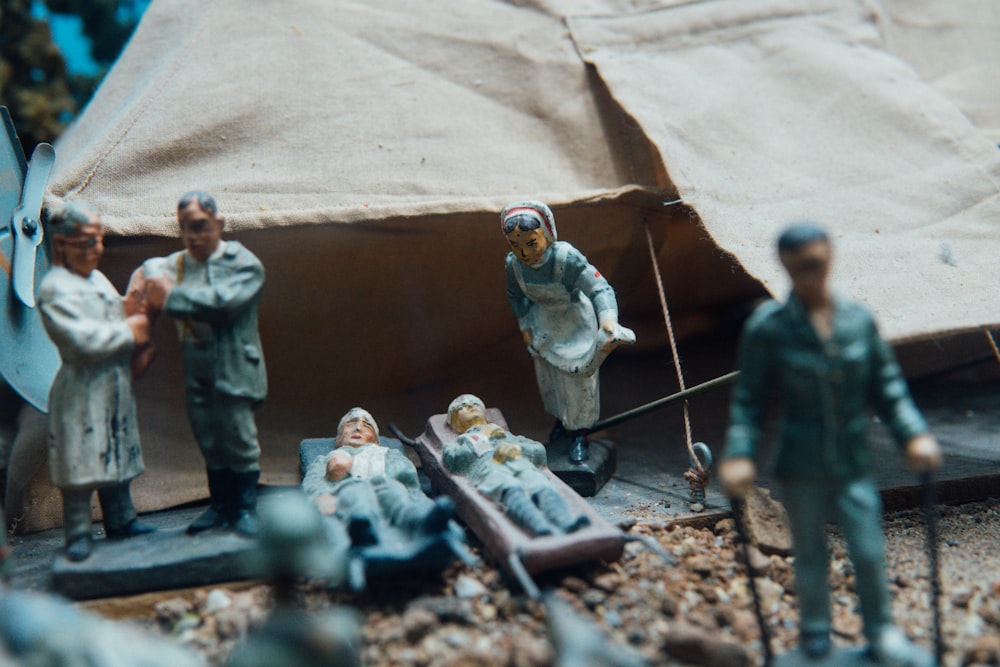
[519, 554]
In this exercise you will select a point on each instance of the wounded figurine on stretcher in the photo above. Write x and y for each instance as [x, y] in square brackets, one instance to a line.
[366, 485]
[508, 469]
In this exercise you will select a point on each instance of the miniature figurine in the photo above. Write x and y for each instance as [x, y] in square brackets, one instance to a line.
[363, 482]
[93, 430]
[294, 547]
[568, 316]
[825, 359]
[211, 288]
[42, 629]
[506, 468]
[23, 433]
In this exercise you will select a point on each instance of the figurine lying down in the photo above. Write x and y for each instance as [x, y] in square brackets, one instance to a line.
[373, 491]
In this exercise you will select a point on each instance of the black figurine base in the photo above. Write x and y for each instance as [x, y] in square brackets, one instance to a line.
[587, 477]
[166, 559]
[854, 656]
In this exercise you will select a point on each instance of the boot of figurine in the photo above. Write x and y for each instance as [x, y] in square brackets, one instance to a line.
[557, 512]
[579, 451]
[243, 507]
[120, 521]
[76, 523]
[220, 483]
[523, 512]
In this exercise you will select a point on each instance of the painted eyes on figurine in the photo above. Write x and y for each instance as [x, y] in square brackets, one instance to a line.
[86, 243]
[809, 265]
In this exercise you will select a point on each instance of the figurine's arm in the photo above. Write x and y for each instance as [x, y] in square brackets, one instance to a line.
[89, 338]
[581, 274]
[892, 401]
[223, 300]
[401, 469]
[519, 302]
[532, 450]
[747, 408]
[459, 455]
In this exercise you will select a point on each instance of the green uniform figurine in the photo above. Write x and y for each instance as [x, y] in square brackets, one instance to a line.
[93, 428]
[507, 469]
[823, 357]
[211, 289]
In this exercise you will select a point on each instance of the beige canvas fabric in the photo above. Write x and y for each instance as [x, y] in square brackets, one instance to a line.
[955, 47]
[772, 111]
[418, 122]
[316, 111]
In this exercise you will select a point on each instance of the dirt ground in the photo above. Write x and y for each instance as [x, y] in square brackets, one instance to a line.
[697, 612]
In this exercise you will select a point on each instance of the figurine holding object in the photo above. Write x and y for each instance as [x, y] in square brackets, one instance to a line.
[825, 358]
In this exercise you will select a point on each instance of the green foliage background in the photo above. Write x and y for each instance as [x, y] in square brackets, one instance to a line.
[35, 85]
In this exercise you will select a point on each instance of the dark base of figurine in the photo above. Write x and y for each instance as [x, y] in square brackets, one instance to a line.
[166, 559]
[588, 476]
[855, 656]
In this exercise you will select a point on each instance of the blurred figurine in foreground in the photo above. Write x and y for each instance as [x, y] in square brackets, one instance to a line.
[568, 316]
[294, 547]
[366, 484]
[93, 429]
[211, 289]
[824, 358]
[40, 629]
[506, 468]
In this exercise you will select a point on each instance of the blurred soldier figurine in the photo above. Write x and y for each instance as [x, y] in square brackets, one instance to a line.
[363, 482]
[579, 642]
[93, 430]
[40, 629]
[211, 288]
[294, 546]
[508, 469]
[24, 431]
[825, 359]
[568, 316]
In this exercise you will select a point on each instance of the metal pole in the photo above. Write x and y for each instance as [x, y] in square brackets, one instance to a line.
[661, 402]
[737, 505]
[930, 515]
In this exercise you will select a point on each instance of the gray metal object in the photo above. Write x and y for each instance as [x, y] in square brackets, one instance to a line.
[26, 224]
[28, 359]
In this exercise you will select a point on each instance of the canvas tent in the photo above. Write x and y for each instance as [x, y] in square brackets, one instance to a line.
[364, 149]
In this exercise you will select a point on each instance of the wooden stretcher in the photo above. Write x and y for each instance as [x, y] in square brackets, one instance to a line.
[517, 552]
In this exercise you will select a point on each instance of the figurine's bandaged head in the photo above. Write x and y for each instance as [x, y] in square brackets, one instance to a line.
[465, 411]
[355, 415]
[70, 217]
[529, 215]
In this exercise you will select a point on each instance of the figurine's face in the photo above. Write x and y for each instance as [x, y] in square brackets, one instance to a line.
[81, 252]
[467, 415]
[356, 432]
[529, 247]
[201, 231]
[808, 268]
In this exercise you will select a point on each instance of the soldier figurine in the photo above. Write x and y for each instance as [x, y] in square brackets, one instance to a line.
[824, 358]
[568, 316]
[365, 484]
[211, 288]
[93, 430]
[508, 469]
[294, 547]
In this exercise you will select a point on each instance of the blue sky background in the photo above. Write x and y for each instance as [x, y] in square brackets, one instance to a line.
[67, 33]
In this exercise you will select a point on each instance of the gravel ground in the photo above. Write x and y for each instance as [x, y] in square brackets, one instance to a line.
[698, 612]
